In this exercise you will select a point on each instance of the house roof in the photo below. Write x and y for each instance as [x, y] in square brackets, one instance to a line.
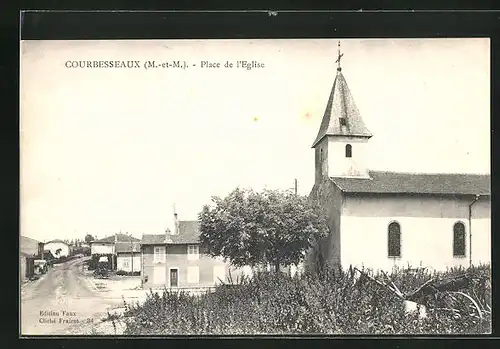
[417, 183]
[28, 245]
[341, 105]
[189, 233]
[119, 237]
[56, 241]
[153, 239]
[124, 247]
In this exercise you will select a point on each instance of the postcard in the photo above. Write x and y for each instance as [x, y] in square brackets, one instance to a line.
[248, 187]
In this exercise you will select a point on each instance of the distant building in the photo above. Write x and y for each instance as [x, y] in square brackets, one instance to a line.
[107, 245]
[380, 219]
[28, 246]
[128, 256]
[58, 248]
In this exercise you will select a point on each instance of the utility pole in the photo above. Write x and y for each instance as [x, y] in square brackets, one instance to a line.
[295, 186]
[132, 253]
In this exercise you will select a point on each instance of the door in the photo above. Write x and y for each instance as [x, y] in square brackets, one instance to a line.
[159, 275]
[174, 278]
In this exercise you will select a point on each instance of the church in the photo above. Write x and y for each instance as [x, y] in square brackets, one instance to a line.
[382, 220]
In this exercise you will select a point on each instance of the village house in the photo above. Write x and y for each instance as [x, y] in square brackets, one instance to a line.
[29, 246]
[58, 248]
[103, 246]
[107, 245]
[128, 256]
[176, 259]
[379, 219]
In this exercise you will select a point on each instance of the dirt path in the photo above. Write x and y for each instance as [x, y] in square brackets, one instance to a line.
[62, 302]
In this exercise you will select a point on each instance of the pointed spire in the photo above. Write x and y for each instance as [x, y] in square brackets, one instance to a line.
[342, 117]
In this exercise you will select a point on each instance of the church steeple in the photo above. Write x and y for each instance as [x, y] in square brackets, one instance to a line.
[342, 117]
[341, 126]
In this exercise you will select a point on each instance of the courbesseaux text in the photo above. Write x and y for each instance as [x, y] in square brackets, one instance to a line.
[102, 64]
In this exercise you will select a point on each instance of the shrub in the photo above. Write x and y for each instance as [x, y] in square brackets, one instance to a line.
[94, 261]
[128, 273]
[331, 303]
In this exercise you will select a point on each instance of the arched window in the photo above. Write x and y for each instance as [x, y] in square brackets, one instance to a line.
[321, 154]
[394, 240]
[459, 240]
[348, 151]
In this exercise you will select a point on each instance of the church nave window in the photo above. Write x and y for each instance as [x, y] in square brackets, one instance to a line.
[348, 151]
[394, 240]
[459, 240]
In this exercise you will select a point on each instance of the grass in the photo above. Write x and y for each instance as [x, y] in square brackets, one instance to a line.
[328, 304]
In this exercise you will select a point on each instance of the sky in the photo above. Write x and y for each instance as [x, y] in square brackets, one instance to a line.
[113, 149]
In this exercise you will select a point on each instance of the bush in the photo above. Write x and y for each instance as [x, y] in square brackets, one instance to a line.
[93, 263]
[128, 273]
[333, 303]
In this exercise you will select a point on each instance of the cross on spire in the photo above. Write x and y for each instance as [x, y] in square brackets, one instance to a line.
[338, 58]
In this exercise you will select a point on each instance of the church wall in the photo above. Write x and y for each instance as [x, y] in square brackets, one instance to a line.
[321, 156]
[329, 198]
[426, 231]
[481, 231]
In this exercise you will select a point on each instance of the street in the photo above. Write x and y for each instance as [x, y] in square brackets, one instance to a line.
[63, 301]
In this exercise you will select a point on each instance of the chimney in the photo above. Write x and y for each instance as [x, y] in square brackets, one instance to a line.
[176, 223]
[167, 237]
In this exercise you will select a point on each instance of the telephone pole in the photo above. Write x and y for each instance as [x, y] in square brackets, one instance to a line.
[132, 253]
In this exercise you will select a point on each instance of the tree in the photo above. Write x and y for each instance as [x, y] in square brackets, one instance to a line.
[89, 238]
[251, 228]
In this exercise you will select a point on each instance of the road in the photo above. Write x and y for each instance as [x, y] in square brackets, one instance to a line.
[63, 301]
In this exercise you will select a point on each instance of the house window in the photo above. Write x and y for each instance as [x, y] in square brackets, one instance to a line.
[459, 240]
[342, 121]
[348, 151]
[394, 239]
[193, 252]
[193, 275]
[125, 264]
[159, 254]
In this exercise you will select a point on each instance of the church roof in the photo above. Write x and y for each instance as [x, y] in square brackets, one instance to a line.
[417, 183]
[341, 105]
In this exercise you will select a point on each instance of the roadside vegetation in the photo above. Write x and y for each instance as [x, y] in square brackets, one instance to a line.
[351, 302]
